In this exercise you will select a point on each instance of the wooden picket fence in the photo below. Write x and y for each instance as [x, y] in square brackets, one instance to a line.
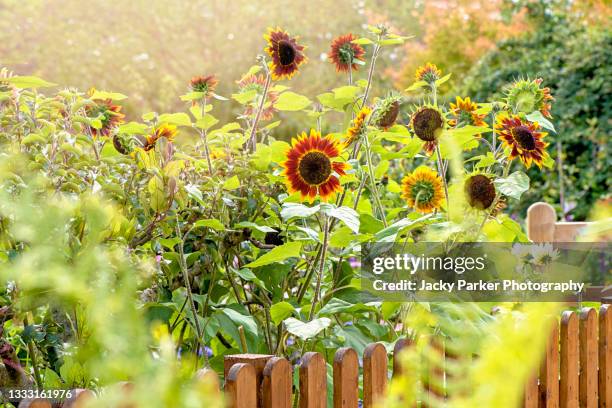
[576, 372]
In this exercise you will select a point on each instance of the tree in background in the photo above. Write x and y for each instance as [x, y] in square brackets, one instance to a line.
[572, 51]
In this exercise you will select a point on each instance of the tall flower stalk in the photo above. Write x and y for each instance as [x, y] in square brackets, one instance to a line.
[252, 141]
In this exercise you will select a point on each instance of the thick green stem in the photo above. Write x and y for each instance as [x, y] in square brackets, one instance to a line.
[373, 188]
[253, 134]
[204, 136]
[317, 294]
[442, 174]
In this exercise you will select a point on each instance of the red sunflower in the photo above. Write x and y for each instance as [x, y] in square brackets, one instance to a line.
[524, 139]
[287, 55]
[311, 168]
[163, 131]
[344, 53]
[109, 115]
[205, 84]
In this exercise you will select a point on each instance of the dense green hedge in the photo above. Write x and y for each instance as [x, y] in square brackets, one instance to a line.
[576, 63]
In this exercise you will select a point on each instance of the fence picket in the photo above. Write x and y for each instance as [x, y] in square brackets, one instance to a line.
[277, 383]
[241, 386]
[605, 357]
[530, 399]
[549, 372]
[346, 378]
[374, 373]
[568, 389]
[313, 381]
[588, 358]
[400, 345]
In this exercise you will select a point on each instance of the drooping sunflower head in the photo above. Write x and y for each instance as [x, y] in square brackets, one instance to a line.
[344, 54]
[286, 54]
[358, 126]
[479, 191]
[256, 83]
[387, 111]
[163, 131]
[527, 96]
[312, 168]
[422, 190]
[123, 144]
[524, 139]
[108, 115]
[464, 113]
[428, 73]
[203, 83]
[428, 124]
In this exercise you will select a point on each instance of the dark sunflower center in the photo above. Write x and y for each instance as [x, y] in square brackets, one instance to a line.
[200, 87]
[315, 168]
[422, 192]
[426, 123]
[524, 137]
[480, 191]
[286, 53]
[346, 54]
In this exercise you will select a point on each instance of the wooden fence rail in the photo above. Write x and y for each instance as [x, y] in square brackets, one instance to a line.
[576, 372]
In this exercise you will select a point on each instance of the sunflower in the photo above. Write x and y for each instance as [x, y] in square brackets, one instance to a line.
[358, 126]
[428, 123]
[310, 167]
[257, 83]
[217, 154]
[287, 55]
[109, 115]
[163, 131]
[344, 53]
[464, 113]
[422, 190]
[387, 111]
[479, 191]
[523, 138]
[428, 73]
[527, 96]
[203, 83]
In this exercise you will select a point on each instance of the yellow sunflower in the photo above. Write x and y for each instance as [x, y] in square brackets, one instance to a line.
[428, 73]
[311, 167]
[464, 113]
[524, 139]
[428, 124]
[358, 126]
[287, 55]
[423, 190]
[163, 131]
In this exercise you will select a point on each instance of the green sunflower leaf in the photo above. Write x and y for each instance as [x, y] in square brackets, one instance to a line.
[180, 119]
[291, 101]
[514, 185]
[29, 82]
[277, 254]
[541, 120]
[308, 330]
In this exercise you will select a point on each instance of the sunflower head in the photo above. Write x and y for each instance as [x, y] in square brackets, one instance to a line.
[422, 190]
[122, 144]
[428, 73]
[107, 113]
[165, 131]
[344, 54]
[257, 83]
[464, 113]
[527, 96]
[523, 138]
[428, 124]
[203, 83]
[387, 111]
[358, 126]
[312, 167]
[479, 191]
[286, 54]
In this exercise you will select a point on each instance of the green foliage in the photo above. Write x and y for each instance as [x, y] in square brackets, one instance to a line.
[575, 62]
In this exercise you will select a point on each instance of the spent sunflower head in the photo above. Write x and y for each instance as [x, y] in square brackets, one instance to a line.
[423, 190]
[108, 115]
[523, 138]
[387, 111]
[428, 123]
[464, 113]
[203, 83]
[286, 54]
[312, 167]
[257, 83]
[528, 96]
[358, 126]
[344, 54]
[479, 191]
[428, 73]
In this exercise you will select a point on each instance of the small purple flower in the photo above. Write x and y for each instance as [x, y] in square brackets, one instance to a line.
[349, 323]
[158, 258]
[179, 352]
[354, 262]
[209, 352]
[290, 341]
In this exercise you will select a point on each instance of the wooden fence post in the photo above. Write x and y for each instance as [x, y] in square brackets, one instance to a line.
[374, 374]
[277, 383]
[313, 381]
[346, 378]
[549, 372]
[241, 386]
[605, 356]
[400, 345]
[541, 219]
[588, 358]
[570, 352]
[258, 361]
[530, 399]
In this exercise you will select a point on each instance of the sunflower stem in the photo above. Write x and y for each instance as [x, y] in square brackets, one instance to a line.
[253, 133]
[373, 188]
[317, 295]
[204, 137]
[370, 73]
[442, 174]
